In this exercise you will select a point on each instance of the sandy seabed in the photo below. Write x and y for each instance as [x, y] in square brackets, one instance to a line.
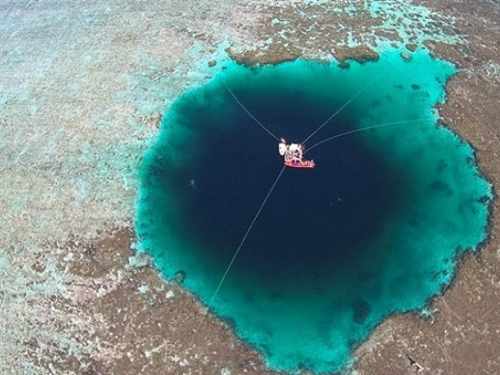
[83, 88]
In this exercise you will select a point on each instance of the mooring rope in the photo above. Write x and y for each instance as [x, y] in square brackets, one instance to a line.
[340, 109]
[248, 112]
[360, 130]
[237, 252]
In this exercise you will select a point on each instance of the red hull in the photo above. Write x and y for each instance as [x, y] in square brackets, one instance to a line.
[298, 164]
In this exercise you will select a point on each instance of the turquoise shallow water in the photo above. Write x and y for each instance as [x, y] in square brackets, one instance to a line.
[376, 228]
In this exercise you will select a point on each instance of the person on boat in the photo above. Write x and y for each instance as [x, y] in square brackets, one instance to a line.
[282, 147]
[296, 150]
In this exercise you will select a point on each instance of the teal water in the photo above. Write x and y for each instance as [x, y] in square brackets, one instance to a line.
[376, 227]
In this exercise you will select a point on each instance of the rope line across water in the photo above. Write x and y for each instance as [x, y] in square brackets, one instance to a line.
[237, 251]
[248, 112]
[340, 109]
[360, 130]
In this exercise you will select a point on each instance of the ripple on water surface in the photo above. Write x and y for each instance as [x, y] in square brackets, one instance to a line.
[374, 228]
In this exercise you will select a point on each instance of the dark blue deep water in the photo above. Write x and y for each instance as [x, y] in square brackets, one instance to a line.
[375, 228]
